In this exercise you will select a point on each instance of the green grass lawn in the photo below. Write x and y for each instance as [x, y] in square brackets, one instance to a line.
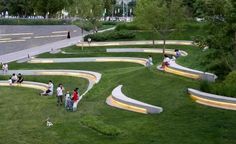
[187, 31]
[182, 121]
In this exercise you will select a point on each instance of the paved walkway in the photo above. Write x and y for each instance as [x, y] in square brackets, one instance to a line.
[10, 57]
[39, 50]
[21, 37]
[21, 54]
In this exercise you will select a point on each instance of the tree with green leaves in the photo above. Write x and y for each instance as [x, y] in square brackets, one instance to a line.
[21, 8]
[160, 16]
[221, 18]
[50, 7]
[89, 11]
[109, 6]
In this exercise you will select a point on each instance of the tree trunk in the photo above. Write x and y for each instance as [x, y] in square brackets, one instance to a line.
[164, 45]
[234, 63]
[153, 39]
[235, 44]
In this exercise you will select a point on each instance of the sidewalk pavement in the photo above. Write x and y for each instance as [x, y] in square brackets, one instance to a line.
[39, 50]
[10, 57]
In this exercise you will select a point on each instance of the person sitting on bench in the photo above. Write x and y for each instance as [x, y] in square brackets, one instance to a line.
[177, 53]
[166, 61]
[49, 91]
[20, 78]
[14, 78]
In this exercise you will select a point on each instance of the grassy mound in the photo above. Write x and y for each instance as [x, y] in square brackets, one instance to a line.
[183, 121]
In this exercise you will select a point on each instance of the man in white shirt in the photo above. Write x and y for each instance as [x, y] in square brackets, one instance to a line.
[60, 90]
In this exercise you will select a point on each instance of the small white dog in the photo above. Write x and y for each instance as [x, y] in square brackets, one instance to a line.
[49, 123]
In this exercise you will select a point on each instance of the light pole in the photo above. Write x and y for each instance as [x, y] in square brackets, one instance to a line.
[123, 9]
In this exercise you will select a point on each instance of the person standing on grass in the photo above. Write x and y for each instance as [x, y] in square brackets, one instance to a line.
[3, 68]
[68, 101]
[89, 41]
[60, 90]
[6, 67]
[75, 95]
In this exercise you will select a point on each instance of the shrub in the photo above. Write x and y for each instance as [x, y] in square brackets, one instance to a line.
[111, 36]
[125, 26]
[109, 23]
[83, 24]
[205, 86]
[225, 88]
[97, 125]
[33, 22]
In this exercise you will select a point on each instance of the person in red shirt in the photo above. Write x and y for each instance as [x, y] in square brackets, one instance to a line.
[75, 95]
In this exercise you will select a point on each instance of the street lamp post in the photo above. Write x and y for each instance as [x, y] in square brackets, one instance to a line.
[123, 9]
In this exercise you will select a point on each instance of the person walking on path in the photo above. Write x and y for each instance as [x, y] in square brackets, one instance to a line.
[68, 35]
[4, 68]
[60, 90]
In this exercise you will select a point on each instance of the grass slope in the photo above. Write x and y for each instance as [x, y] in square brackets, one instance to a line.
[183, 121]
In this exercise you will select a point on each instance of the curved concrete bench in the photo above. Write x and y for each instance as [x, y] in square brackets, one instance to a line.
[174, 68]
[141, 61]
[27, 84]
[119, 100]
[148, 42]
[144, 50]
[212, 100]
[92, 77]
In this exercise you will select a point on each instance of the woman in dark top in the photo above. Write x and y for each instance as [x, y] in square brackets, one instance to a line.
[20, 78]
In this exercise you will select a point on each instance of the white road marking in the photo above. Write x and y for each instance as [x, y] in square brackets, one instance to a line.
[16, 34]
[58, 32]
[11, 41]
[5, 39]
[26, 38]
[49, 36]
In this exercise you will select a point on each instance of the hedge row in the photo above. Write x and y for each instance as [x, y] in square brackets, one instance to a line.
[225, 88]
[33, 22]
[111, 36]
[128, 26]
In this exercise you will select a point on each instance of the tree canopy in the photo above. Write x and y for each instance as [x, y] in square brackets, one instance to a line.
[162, 16]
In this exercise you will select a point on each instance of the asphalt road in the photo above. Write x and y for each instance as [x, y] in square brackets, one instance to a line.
[17, 38]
